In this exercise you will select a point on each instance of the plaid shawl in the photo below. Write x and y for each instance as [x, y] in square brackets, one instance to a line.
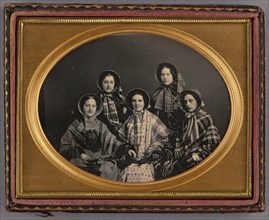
[153, 132]
[138, 127]
[109, 109]
[200, 135]
[164, 104]
[74, 141]
[165, 100]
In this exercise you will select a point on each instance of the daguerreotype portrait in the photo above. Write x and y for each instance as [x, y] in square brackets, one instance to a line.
[107, 104]
[167, 132]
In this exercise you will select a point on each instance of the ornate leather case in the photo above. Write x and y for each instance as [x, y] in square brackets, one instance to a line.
[53, 55]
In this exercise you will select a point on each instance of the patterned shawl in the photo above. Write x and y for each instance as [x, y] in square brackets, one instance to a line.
[165, 100]
[150, 133]
[109, 109]
[74, 140]
[200, 134]
[166, 96]
[138, 127]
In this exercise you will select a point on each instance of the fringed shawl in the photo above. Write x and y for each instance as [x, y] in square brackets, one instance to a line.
[153, 131]
[165, 98]
[200, 134]
[74, 141]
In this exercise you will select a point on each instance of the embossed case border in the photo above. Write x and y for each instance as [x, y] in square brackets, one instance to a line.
[18, 200]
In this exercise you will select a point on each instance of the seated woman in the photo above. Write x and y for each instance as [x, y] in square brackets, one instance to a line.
[164, 100]
[114, 110]
[200, 136]
[146, 133]
[88, 143]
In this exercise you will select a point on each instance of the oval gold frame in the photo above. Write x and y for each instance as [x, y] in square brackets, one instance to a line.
[32, 117]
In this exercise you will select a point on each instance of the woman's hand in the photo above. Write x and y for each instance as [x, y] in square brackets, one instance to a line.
[85, 157]
[155, 156]
[196, 157]
[132, 153]
[124, 110]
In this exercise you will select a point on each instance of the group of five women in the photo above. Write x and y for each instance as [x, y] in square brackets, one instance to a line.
[138, 139]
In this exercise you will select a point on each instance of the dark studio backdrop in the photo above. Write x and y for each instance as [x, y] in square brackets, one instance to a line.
[134, 57]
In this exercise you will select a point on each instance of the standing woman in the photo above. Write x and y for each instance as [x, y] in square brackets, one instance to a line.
[200, 136]
[146, 133]
[164, 100]
[87, 143]
[114, 110]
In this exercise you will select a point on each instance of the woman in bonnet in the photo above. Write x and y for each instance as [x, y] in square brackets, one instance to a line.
[114, 110]
[200, 136]
[87, 143]
[164, 100]
[145, 133]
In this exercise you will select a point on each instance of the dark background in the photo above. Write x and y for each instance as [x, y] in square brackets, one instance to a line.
[134, 57]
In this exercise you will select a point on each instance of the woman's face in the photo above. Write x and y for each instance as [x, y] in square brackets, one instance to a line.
[89, 107]
[108, 83]
[166, 76]
[190, 103]
[138, 103]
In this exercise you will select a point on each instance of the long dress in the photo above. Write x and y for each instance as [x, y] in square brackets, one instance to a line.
[146, 133]
[97, 142]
